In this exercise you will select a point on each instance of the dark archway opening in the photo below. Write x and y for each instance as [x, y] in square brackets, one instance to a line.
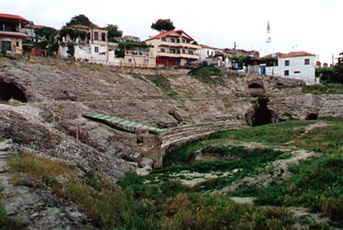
[255, 86]
[9, 90]
[262, 114]
[312, 116]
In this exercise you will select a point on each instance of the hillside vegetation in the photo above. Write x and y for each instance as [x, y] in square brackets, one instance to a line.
[164, 199]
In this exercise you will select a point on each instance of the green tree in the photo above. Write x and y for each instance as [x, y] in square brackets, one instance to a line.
[163, 25]
[325, 74]
[47, 32]
[80, 20]
[338, 70]
[113, 32]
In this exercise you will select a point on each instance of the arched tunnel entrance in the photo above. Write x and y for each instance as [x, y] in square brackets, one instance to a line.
[312, 116]
[10, 90]
[255, 85]
[261, 114]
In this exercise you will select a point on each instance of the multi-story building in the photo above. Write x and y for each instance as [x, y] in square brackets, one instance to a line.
[11, 34]
[174, 48]
[90, 43]
[298, 65]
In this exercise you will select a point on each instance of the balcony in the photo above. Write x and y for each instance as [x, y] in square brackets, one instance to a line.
[140, 53]
[178, 55]
[179, 45]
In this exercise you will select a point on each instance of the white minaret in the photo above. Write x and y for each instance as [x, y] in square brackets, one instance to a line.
[269, 40]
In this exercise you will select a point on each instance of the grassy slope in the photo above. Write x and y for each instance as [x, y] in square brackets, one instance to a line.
[170, 205]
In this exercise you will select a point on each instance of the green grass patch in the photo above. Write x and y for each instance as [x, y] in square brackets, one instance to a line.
[272, 134]
[246, 161]
[317, 184]
[323, 89]
[206, 74]
[163, 83]
[243, 158]
[181, 155]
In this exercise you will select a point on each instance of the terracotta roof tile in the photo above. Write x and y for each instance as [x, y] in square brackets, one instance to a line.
[12, 16]
[168, 33]
[80, 27]
[292, 54]
[297, 54]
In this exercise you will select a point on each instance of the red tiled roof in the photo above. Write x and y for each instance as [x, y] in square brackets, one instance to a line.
[12, 16]
[167, 33]
[33, 26]
[80, 27]
[297, 54]
[292, 54]
[87, 27]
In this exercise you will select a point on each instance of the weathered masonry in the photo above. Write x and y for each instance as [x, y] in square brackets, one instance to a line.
[153, 142]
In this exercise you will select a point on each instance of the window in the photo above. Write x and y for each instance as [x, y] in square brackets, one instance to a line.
[296, 72]
[163, 39]
[146, 61]
[103, 36]
[183, 41]
[96, 36]
[307, 61]
[286, 72]
[172, 51]
[208, 53]
[287, 63]
[163, 50]
[17, 44]
[190, 52]
[5, 45]
[172, 40]
[178, 40]
[129, 60]
[96, 49]
[183, 51]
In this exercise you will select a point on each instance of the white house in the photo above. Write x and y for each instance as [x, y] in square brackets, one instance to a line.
[298, 65]
[209, 54]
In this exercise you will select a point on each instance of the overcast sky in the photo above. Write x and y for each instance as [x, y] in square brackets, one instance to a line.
[296, 25]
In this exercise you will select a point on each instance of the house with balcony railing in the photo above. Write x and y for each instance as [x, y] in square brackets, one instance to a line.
[174, 48]
[11, 33]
